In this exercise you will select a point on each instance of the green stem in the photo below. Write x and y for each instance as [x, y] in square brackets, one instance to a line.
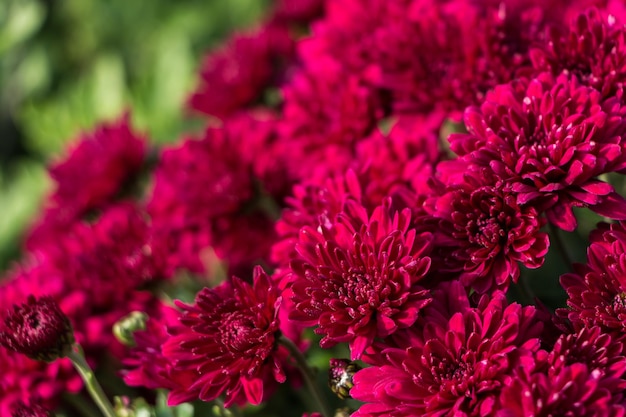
[93, 387]
[307, 373]
[560, 247]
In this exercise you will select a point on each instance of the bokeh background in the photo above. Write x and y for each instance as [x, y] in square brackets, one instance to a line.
[65, 64]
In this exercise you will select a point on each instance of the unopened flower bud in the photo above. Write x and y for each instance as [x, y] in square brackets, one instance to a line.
[343, 412]
[340, 376]
[126, 326]
[123, 407]
[38, 329]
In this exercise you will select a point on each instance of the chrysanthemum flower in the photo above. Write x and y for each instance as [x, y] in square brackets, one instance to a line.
[592, 48]
[96, 170]
[597, 291]
[233, 76]
[549, 140]
[400, 162]
[429, 55]
[487, 232]
[195, 182]
[584, 375]
[312, 204]
[38, 329]
[458, 360]
[359, 279]
[326, 112]
[229, 339]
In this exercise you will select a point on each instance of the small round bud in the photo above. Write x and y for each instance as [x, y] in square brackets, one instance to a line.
[38, 329]
[123, 407]
[126, 326]
[340, 376]
[343, 412]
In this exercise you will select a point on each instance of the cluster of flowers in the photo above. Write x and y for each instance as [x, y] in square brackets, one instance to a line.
[339, 207]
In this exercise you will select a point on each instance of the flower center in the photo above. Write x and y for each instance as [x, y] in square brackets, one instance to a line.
[238, 333]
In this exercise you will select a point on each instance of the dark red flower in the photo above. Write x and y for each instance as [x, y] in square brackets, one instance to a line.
[487, 232]
[400, 162]
[229, 340]
[597, 290]
[584, 375]
[96, 170]
[326, 112]
[549, 141]
[312, 204]
[38, 329]
[456, 361]
[429, 55]
[233, 76]
[359, 278]
[196, 182]
[592, 48]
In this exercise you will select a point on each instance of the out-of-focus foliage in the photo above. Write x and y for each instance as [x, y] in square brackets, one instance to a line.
[66, 64]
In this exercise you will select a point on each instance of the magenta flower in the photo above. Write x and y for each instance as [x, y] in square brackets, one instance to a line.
[359, 279]
[229, 340]
[312, 204]
[38, 329]
[235, 75]
[583, 375]
[456, 360]
[488, 232]
[326, 112]
[549, 141]
[400, 162]
[597, 291]
[427, 55]
[96, 170]
[592, 48]
[194, 183]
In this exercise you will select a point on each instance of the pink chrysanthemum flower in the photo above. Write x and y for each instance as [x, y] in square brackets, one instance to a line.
[235, 75]
[597, 290]
[96, 170]
[549, 140]
[38, 329]
[429, 55]
[359, 279]
[312, 204]
[229, 339]
[196, 182]
[400, 162]
[456, 360]
[592, 48]
[584, 375]
[326, 112]
[488, 233]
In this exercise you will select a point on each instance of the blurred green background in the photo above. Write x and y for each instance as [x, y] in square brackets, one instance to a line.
[66, 64]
